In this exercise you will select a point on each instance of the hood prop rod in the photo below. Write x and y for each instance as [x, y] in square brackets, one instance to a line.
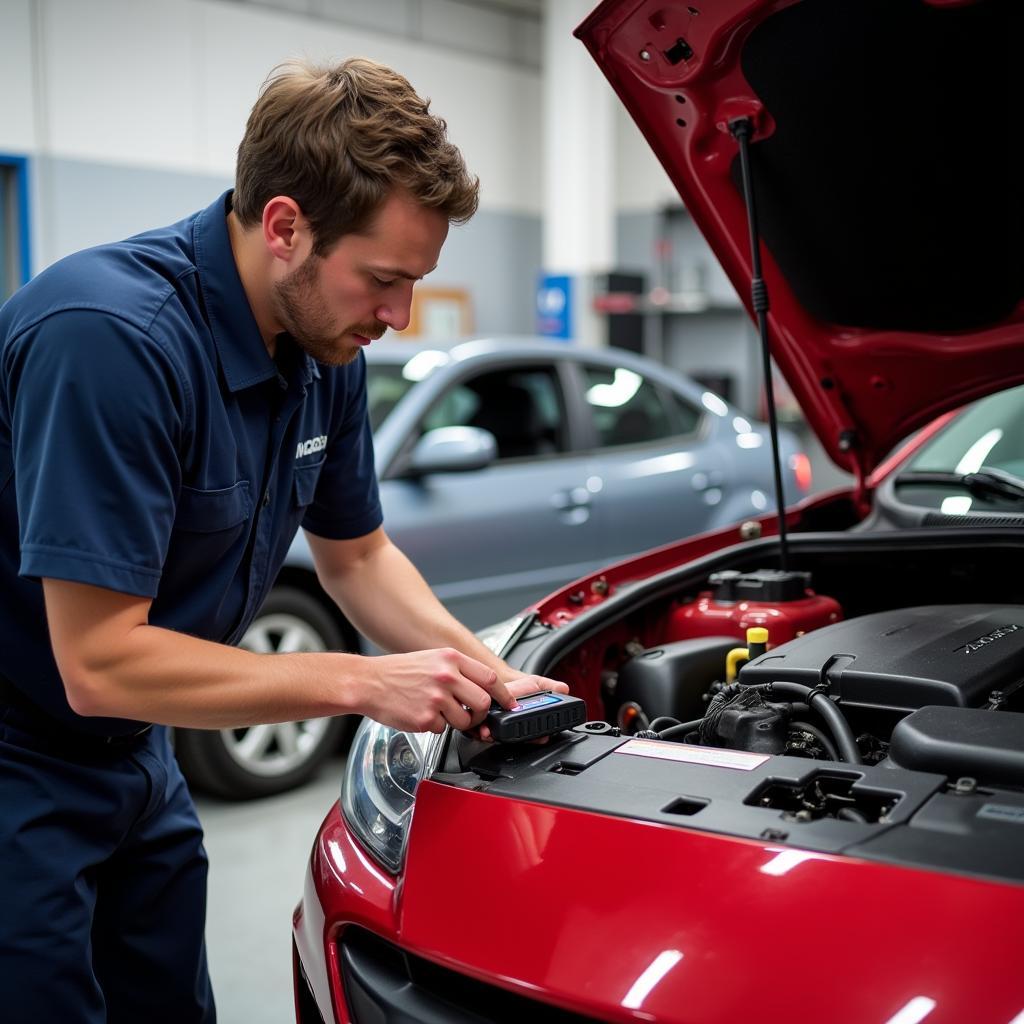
[742, 128]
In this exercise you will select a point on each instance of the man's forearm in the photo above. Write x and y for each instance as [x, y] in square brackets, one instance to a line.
[115, 664]
[157, 675]
[388, 601]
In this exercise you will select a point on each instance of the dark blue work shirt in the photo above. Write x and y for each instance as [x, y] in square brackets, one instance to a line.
[149, 444]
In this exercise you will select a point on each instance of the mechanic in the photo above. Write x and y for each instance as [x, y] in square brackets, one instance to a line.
[173, 407]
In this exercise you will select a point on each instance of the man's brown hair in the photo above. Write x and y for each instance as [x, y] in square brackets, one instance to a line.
[337, 140]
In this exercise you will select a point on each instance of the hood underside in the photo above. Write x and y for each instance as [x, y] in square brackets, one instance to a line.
[885, 156]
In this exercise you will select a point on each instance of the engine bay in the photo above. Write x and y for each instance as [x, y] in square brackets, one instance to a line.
[849, 691]
[756, 706]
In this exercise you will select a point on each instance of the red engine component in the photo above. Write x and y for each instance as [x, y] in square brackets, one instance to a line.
[781, 602]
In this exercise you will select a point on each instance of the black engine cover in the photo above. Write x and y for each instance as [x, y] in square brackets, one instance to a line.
[951, 655]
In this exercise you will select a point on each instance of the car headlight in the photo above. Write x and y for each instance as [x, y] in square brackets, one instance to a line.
[386, 765]
[384, 768]
[497, 637]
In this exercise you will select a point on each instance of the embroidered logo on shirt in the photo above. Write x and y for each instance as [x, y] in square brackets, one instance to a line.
[314, 444]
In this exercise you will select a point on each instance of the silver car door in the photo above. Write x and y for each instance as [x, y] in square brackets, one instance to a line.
[661, 477]
[490, 541]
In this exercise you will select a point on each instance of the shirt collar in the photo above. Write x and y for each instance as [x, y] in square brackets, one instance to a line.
[240, 347]
[306, 367]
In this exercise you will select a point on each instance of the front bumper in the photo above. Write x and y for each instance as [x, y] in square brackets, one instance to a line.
[587, 917]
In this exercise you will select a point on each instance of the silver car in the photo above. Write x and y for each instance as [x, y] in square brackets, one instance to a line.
[507, 467]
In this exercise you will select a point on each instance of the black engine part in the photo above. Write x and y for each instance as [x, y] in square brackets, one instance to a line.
[767, 585]
[902, 660]
[745, 721]
[987, 746]
[827, 794]
[671, 680]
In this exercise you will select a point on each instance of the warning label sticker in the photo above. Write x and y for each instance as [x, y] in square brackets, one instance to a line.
[666, 751]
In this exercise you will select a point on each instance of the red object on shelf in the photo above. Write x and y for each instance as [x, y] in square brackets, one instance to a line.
[615, 302]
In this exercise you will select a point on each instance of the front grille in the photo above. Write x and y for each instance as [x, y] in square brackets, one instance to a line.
[385, 983]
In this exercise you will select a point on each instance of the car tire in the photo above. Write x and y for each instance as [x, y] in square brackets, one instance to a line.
[241, 764]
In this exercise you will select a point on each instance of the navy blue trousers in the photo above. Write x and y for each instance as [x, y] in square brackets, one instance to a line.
[102, 883]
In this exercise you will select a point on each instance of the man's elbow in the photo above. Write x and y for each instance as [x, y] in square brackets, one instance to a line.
[88, 693]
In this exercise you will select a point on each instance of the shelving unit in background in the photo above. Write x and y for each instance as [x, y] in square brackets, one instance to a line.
[682, 310]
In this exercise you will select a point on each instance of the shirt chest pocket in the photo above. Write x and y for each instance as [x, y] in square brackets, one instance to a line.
[208, 540]
[203, 511]
[305, 481]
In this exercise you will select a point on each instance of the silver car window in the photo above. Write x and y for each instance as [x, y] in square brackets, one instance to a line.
[385, 386]
[521, 407]
[626, 408]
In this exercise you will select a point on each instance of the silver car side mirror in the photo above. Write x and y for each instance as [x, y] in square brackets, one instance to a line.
[452, 450]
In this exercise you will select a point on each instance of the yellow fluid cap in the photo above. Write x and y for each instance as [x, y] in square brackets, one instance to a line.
[757, 635]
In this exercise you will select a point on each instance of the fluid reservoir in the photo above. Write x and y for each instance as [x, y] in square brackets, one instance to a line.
[781, 602]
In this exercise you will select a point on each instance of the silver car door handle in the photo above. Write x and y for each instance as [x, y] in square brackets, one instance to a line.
[578, 497]
[703, 481]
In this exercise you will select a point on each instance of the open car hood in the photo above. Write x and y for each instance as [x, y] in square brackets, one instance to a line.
[885, 159]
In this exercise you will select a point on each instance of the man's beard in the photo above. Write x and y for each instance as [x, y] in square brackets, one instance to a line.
[301, 310]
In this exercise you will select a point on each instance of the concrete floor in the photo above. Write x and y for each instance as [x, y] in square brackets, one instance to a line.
[258, 853]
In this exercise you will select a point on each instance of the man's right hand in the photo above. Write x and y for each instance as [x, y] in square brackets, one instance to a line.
[426, 691]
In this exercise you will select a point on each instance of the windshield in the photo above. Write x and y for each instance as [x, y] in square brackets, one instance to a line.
[385, 386]
[989, 434]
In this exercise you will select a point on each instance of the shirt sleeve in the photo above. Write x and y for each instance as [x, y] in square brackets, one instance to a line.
[347, 503]
[97, 420]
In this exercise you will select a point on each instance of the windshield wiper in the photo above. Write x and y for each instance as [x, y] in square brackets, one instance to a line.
[987, 482]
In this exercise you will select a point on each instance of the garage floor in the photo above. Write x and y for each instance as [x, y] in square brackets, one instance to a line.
[258, 853]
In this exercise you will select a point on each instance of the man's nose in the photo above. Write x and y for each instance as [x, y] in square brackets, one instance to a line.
[397, 312]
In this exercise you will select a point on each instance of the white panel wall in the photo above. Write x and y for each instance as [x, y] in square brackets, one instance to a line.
[640, 181]
[460, 25]
[401, 15]
[17, 120]
[492, 109]
[168, 84]
[119, 82]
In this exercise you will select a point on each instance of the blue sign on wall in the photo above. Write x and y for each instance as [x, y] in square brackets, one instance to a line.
[554, 305]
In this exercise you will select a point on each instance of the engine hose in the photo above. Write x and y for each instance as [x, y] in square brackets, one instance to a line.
[682, 728]
[826, 743]
[663, 722]
[851, 814]
[838, 726]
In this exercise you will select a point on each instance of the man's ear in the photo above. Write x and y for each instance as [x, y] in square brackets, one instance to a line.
[286, 231]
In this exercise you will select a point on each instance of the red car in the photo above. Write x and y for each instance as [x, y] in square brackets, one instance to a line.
[825, 824]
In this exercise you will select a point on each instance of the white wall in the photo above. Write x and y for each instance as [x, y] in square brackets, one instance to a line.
[104, 90]
[132, 111]
[17, 116]
[640, 181]
[169, 83]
